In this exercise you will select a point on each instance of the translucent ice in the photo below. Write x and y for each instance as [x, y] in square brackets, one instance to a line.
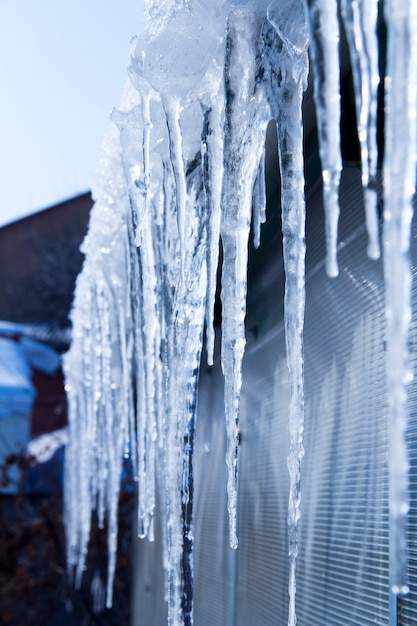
[360, 21]
[182, 174]
[324, 34]
[399, 180]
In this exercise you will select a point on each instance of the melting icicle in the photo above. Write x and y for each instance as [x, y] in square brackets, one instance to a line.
[183, 167]
[98, 367]
[288, 92]
[181, 288]
[360, 20]
[399, 179]
[134, 136]
[244, 138]
[324, 34]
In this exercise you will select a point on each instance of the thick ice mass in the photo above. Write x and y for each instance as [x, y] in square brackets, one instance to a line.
[181, 173]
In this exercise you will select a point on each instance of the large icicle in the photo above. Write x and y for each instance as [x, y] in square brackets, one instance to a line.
[324, 34]
[289, 54]
[244, 138]
[360, 20]
[399, 188]
[134, 126]
[180, 233]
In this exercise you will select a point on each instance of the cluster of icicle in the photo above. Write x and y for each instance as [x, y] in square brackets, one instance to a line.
[182, 169]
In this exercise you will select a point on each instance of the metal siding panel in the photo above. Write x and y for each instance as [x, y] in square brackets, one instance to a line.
[342, 573]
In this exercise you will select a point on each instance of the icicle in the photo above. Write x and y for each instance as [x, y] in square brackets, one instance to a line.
[244, 138]
[293, 212]
[180, 291]
[289, 53]
[148, 332]
[100, 396]
[360, 20]
[324, 34]
[399, 181]
[135, 142]
[184, 346]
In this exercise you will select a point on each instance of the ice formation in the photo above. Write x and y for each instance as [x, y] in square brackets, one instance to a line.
[181, 170]
[399, 181]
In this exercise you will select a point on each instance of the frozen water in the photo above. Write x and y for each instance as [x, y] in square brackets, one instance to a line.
[324, 42]
[181, 173]
[399, 180]
[360, 20]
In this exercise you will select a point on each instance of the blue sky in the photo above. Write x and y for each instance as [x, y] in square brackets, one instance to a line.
[62, 69]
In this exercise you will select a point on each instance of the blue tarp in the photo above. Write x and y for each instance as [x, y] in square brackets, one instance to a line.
[18, 356]
[16, 389]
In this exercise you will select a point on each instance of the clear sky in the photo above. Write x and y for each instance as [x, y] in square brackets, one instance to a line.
[63, 65]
